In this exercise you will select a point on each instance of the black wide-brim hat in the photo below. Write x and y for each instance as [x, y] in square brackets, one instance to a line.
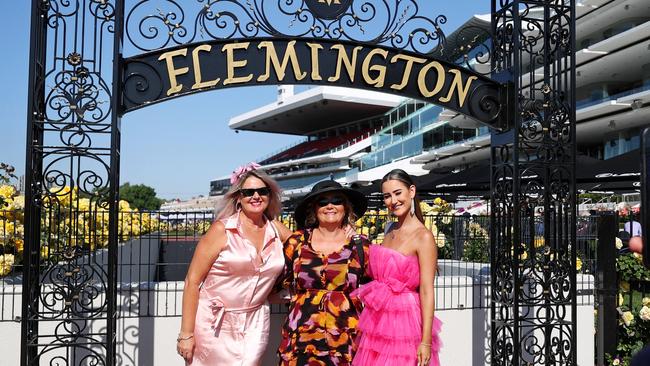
[357, 199]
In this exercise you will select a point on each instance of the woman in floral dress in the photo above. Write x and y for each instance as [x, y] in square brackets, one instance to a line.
[322, 268]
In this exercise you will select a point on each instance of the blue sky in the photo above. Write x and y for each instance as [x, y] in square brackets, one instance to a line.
[176, 147]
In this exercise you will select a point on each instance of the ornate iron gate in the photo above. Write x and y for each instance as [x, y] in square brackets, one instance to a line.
[94, 60]
[533, 168]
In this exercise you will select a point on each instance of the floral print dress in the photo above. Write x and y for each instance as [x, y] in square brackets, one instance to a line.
[321, 326]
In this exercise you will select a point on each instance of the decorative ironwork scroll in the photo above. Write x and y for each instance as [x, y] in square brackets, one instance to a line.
[401, 24]
[533, 183]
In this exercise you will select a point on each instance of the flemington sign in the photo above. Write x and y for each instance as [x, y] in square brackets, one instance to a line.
[226, 63]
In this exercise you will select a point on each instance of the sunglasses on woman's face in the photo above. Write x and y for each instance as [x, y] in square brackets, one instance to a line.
[336, 201]
[250, 192]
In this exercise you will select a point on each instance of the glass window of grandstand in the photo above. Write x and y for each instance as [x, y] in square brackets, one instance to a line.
[621, 144]
[429, 115]
[400, 130]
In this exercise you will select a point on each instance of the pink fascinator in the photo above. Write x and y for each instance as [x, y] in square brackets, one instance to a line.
[239, 172]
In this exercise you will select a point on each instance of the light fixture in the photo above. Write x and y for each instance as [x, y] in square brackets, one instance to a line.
[637, 104]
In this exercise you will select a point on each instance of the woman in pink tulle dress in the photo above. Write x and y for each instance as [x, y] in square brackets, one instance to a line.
[397, 325]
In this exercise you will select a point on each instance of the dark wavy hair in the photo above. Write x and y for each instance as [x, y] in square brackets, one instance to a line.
[405, 178]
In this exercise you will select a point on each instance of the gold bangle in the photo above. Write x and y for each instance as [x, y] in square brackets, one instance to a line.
[425, 344]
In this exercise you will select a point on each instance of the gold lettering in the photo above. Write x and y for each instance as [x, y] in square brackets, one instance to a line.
[315, 65]
[280, 69]
[173, 72]
[407, 69]
[329, 2]
[378, 81]
[462, 90]
[198, 84]
[232, 64]
[343, 58]
[422, 79]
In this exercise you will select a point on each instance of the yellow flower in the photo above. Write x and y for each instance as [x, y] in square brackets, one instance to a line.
[438, 201]
[7, 229]
[625, 286]
[45, 252]
[365, 231]
[627, 318]
[6, 263]
[84, 205]
[616, 362]
[644, 313]
[124, 206]
[359, 223]
[7, 191]
[619, 243]
[621, 300]
[646, 301]
[578, 264]
[19, 244]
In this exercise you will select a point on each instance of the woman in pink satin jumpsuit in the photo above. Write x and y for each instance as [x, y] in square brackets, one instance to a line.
[226, 316]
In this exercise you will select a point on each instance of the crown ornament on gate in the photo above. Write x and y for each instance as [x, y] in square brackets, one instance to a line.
[328, 9]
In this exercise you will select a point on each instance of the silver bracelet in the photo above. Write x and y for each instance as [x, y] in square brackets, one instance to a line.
[184, 339]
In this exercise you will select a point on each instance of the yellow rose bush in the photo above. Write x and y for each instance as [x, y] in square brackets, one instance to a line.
[372, 225]
[67, 220]
[633, 309]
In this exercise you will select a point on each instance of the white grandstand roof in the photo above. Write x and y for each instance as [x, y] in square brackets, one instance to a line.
[315, 109]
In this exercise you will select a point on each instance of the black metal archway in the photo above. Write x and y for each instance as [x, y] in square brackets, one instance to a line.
[91, 61]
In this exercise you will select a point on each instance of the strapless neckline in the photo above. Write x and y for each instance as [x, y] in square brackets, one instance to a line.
[397, 251]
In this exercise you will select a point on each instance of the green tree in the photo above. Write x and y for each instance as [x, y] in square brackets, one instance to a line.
[140, 196]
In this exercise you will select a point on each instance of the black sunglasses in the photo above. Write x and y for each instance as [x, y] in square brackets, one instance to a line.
[336, 201]
[250, 192]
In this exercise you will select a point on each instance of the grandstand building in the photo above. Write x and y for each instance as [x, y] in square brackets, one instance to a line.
[356, 136]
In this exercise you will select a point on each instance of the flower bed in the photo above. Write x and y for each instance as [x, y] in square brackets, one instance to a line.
[633, 308]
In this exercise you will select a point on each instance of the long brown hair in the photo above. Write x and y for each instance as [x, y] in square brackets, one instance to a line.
[227, 206]
[405, 178]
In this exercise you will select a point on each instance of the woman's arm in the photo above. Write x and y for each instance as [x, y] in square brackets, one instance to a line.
[205, 254]
[428, 258]
[283, 231]
[285, 280]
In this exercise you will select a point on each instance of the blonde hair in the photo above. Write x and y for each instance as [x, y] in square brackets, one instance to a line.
[228, 205]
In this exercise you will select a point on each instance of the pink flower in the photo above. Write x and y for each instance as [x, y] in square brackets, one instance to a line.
[239, 172]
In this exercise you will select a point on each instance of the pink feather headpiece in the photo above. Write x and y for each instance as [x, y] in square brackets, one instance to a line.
[239, 172]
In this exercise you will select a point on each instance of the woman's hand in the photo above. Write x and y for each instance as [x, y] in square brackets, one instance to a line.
[185, 348]
[424, 354]
[349, 232]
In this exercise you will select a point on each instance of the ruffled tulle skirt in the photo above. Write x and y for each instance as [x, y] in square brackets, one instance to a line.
[390, 328]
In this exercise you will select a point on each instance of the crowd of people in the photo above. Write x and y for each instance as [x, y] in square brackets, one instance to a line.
[350, 302]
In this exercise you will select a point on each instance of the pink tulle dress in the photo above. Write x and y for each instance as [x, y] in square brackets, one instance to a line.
[391, 321]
